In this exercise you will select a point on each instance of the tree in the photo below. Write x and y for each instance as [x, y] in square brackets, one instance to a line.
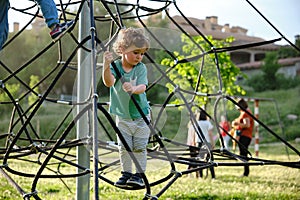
[32, 98]
[267, 79]
[289, 51]
[270, 79]
[14, 90]
[186, 74]
[270, 67]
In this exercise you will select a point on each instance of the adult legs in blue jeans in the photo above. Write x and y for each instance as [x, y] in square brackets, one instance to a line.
[4, 5]
[49, 11]
[50, 15]
[244, 143]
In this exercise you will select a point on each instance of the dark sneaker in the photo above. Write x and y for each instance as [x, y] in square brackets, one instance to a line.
[135, 181]
[61, 28]
[122, 182]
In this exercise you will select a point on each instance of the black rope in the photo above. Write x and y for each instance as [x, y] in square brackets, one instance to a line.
[60, 149]
[268, 21]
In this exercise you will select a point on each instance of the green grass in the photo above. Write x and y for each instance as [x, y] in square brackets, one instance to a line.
[265, 182]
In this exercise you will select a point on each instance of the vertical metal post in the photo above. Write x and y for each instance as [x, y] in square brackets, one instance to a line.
[83, 92]
[256, 114]
[94, 101]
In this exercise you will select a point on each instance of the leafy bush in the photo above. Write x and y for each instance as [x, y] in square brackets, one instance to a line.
[270, 79]
[257, 82]
[4, 97]
[286, 83]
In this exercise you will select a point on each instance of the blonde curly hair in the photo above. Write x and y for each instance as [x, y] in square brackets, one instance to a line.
[128, 37]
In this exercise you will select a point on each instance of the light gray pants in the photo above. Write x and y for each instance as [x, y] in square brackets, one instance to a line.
[136, 134]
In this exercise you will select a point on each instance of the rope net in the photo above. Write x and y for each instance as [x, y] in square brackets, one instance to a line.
[37, 101]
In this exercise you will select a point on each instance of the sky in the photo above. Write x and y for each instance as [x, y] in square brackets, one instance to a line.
[283, 14]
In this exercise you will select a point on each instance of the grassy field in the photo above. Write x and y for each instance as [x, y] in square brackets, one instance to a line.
[265, 182]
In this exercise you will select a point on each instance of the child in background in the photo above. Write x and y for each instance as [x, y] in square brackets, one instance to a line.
[131, 45]
[191, 141]
[224, 129]
[206, 128]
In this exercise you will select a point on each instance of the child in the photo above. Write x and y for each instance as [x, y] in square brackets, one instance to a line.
[49, 11]
[224, 129]
[191, 141]
[207, 130]
[131, 45]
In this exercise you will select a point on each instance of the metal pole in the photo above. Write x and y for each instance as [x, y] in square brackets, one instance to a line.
[95, 101]
[83, 92]
[256, 114]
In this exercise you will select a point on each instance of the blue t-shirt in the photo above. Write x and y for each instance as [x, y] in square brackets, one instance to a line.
[121, 103]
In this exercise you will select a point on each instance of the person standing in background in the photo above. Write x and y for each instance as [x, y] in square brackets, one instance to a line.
[224, 129]
[245, 124]
[207, 130]
[191, 141]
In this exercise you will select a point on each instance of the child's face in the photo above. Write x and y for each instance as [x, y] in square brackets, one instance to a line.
[134, 55]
